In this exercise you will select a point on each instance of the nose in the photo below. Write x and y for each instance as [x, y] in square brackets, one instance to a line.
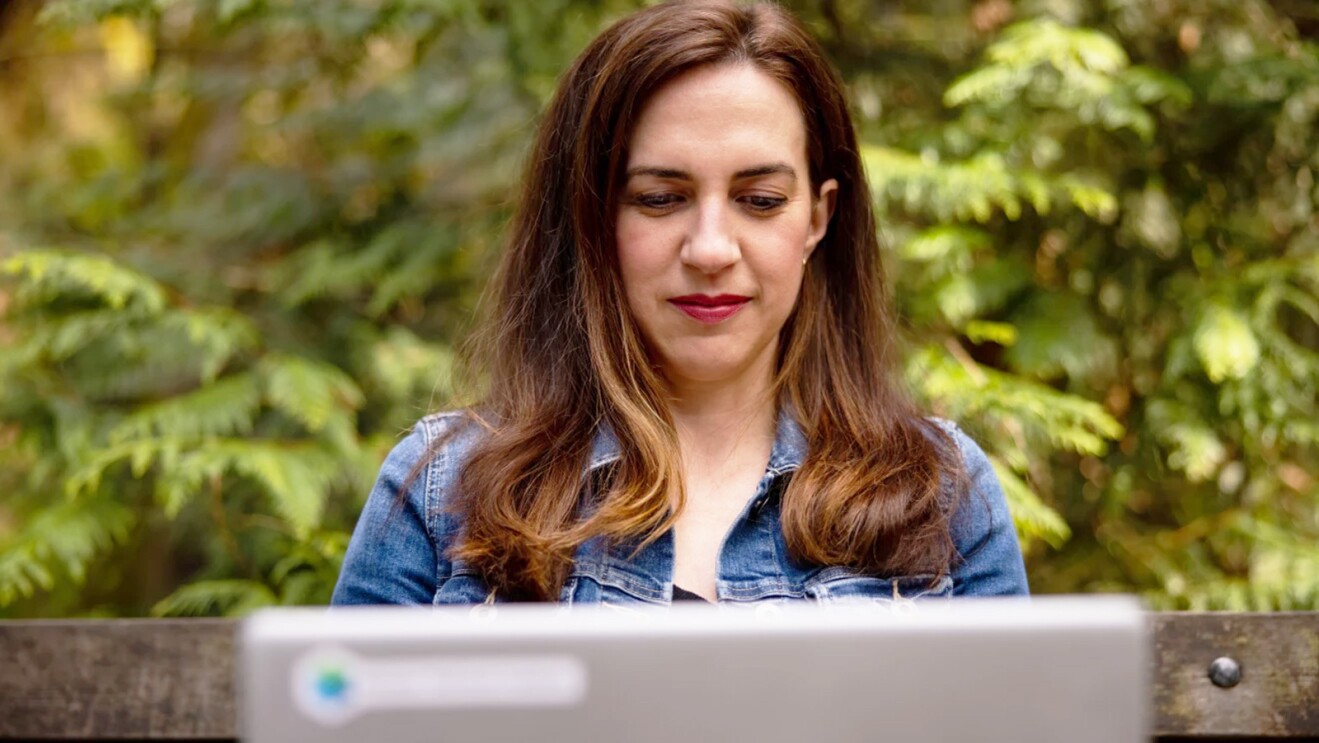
[711, 245]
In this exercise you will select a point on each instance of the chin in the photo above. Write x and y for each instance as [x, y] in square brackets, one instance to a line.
[698, 367]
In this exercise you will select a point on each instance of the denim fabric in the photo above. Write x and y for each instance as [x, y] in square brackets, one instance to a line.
[398, 551]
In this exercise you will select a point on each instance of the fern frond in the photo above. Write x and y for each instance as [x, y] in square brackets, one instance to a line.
[418, 270]
[1033, 518]
[22, 574]
[1045, 65]
[1066, 421]
[173, 351]
[46, 275]
[309, 392]
[207, 598]
[58, 338]
[978, 188]
[86, 475]
[221, 408]
[1194, 447]
[1225, 343]
[318, 551]
[403, 364]
[61, 539]
[1057, 334]
[297, 478]
[1045, 41]
[960, 296]
[949, 246]
[306, 588]
[217, 333]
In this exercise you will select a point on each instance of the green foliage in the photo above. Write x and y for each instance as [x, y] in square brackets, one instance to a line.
[61, 540]
[1121, 224]
[52, 277]
[1032, 516]
[1225, 344]
[239, 247]
[231, 279]
[215, 597]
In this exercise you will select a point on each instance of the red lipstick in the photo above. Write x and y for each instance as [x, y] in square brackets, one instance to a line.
[710, 309]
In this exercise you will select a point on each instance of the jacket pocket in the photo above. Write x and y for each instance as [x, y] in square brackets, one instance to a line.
[840, 585]
[591, 588]
[462, 588]
[468, 588]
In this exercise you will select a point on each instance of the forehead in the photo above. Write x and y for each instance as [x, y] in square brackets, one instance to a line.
[719, 117]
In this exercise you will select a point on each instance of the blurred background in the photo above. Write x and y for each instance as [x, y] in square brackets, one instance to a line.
[239, 241]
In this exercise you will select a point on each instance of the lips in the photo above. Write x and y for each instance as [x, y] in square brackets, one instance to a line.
[710, 309]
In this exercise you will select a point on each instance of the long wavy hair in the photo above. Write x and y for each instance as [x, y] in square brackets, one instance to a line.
[561, 356]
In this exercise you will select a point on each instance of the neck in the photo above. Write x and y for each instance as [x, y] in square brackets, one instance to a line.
[718, 422]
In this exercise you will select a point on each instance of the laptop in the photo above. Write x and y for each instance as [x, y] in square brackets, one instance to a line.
[1030, 671]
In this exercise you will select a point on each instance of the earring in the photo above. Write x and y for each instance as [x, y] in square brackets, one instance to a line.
[804, 259]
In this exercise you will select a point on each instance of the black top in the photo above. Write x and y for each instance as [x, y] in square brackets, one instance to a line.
[681, 594]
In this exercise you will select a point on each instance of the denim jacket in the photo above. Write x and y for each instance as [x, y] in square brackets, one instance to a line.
[399, 555]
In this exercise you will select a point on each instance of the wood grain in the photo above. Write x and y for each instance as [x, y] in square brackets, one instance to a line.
[103, 679]
[1278, 696]
[173, 680]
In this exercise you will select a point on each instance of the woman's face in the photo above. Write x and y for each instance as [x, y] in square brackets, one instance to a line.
[715, 221]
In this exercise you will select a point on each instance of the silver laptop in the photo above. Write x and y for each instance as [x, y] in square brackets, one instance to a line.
[1029, 671]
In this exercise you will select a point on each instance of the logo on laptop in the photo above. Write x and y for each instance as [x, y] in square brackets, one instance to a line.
[332, 684]
[324, 686]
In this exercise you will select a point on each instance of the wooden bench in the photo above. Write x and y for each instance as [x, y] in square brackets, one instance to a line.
[173, 680]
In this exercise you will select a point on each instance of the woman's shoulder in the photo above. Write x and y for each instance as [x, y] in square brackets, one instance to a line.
[446, 434]
[448, 426]
[981, 524]
[971, 457]
[398, 548]
[969, 472]
[429, 455]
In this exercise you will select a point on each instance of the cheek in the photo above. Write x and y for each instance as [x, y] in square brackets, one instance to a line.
[778, 255]
[641, 256]
[782, 264]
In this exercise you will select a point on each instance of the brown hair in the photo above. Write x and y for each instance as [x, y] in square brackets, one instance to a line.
[562, 356]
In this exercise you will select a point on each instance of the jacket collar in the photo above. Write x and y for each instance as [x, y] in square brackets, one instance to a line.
[787, 453]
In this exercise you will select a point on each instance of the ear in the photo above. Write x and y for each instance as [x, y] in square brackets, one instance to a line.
[822, 210]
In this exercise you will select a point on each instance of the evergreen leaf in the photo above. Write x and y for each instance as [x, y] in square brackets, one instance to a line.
[1225, 343]
[1057, 334]
[951, 246]
[228, 406]
[310, 392]
[1194, 447]
[218, 334]
[983, 331]
[1034, 519]
[297, 478]
[1063, 420]
[47, 274]
[402, 364]
[62, 539]
[207, 598]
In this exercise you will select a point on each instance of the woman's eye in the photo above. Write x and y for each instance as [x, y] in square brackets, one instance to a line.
[764, 203]
[657, 201]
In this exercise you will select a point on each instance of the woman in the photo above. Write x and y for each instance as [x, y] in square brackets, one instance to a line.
[691, 385]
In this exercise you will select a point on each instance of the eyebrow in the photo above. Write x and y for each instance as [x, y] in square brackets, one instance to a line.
[682, 175]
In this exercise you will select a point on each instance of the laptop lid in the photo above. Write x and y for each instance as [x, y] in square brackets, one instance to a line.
[1040, 670]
